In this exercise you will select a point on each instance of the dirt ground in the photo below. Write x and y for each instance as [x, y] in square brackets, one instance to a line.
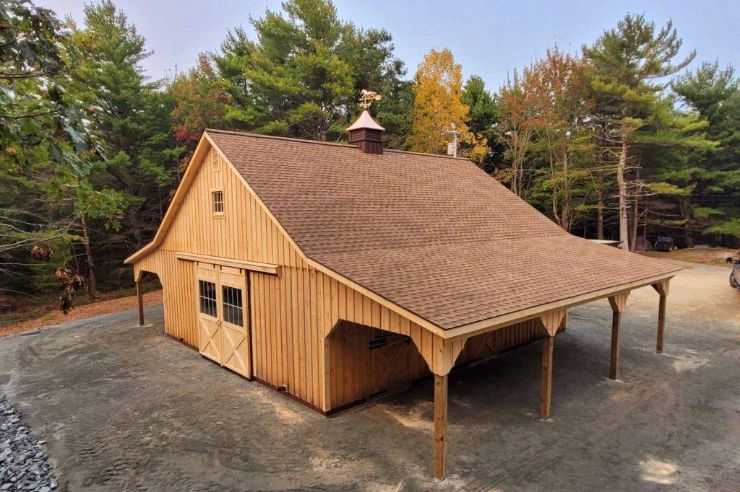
[55, 316]
[707, 256]
[123, 407]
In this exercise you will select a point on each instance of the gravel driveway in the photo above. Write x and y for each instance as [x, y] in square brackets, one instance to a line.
[122, 407]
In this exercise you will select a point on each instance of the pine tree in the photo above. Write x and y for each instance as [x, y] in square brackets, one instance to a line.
[715, 172]
[483, 113]
[128, 119]
[302, 74]
[628, 63]
[293, 80]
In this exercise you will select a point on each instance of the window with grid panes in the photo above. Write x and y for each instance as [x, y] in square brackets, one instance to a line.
[218, 202]
[207, 296]
[232, 305]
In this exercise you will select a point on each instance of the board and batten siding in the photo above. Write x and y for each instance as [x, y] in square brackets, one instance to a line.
[290, 313]
[293, 313]
[358, 371]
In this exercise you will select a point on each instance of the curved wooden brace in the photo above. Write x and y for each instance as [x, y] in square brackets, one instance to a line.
[551, 320]
[661, 287]
[440, 355]
[619, 300]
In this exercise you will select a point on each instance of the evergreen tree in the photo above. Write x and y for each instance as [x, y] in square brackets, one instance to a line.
[483, 114]
[302, 75]
[629, 63]
[129, 121]
[715, 172]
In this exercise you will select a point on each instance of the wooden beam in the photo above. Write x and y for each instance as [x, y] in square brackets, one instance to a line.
[254, 266]
[614, 365]
[618, 302]
[140, 300]
[440, 426]
[662, 289]
[546, 393]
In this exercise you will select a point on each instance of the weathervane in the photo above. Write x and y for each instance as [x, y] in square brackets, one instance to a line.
[367, 98]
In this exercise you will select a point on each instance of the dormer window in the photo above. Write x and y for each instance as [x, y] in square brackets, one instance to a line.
[218, 202]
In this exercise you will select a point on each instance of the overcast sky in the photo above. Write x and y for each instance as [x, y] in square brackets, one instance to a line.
[490, 38]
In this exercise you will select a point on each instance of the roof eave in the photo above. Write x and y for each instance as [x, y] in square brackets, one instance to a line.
[482, 326]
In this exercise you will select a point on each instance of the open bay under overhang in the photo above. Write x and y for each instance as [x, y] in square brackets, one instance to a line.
[550, 320]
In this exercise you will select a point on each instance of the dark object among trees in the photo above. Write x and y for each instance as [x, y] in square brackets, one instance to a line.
[663, 243]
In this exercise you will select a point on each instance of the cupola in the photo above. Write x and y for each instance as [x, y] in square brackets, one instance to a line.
[365, 132]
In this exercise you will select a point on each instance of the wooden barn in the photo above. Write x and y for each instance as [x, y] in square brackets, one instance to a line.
[335, 272]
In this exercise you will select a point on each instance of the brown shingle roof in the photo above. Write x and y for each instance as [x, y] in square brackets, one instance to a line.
[432, 234]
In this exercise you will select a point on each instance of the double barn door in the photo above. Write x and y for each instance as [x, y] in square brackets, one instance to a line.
[223, 317]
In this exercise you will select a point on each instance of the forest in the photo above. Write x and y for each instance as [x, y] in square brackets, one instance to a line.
[623, 139]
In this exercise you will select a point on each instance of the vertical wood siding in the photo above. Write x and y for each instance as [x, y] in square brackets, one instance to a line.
[398, 364]
[294, 313]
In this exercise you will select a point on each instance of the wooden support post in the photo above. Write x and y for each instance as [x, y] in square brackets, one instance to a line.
[546, 394]
[440, 426]
[551, 321]
[661, 324]
[140, 299]
[662, 289]
[617, 302]
[614, 364]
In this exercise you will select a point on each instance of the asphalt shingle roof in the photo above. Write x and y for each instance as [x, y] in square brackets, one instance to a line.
[433, 234]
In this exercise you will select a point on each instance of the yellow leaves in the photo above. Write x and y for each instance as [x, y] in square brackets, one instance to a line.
[478, 148]
[437, 104]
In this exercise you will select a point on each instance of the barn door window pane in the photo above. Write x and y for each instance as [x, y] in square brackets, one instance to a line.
[207, 296]
[218, 202]
[232, 299]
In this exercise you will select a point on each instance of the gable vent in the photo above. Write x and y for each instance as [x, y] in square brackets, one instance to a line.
[215, 161]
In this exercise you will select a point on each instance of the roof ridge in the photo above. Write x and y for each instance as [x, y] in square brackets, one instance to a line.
[443, 156]
[275, 137]
[322, 142]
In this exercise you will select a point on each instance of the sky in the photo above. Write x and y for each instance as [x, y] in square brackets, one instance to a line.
[489, 38]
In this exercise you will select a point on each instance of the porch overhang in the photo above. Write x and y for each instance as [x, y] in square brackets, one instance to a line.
[533, 312]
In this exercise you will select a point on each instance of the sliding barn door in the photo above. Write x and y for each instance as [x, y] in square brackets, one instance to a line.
[209, 325]
[223, 317]
[235, 321]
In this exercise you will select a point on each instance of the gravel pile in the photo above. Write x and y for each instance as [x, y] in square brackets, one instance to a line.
[23, 463]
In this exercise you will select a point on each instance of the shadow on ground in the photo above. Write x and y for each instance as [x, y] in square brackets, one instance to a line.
[123, 407]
